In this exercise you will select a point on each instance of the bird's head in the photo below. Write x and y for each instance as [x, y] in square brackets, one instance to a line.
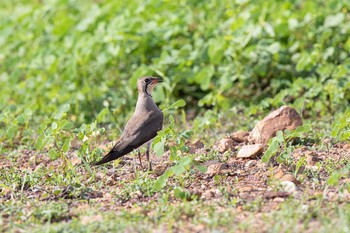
[146, 84]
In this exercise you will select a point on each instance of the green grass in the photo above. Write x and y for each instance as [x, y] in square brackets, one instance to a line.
[68, 71]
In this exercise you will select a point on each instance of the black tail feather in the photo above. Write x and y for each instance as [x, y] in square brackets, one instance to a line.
[113, 155]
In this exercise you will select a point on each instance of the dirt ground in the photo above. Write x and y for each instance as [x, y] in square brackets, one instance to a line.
[227, 178]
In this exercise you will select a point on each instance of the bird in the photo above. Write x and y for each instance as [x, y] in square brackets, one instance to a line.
[142, 127]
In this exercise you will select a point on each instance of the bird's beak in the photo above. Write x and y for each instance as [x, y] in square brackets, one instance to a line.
[157, 80]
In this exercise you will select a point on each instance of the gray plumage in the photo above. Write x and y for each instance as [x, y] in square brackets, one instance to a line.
[143, 126]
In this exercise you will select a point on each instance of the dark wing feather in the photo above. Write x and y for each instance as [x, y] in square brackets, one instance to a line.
[140, 129]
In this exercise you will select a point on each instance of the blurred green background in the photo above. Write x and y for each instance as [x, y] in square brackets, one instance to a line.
[74, 60]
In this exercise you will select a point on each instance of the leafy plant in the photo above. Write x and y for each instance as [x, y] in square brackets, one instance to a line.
[341, 127]
[279, 143]
[179, 151]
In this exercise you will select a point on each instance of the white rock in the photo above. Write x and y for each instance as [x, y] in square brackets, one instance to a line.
[289, 186]
[250, 151]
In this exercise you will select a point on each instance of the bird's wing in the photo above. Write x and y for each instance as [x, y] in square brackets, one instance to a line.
[139, 129]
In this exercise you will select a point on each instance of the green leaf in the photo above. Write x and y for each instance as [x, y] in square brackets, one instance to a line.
[161, 181]
[181, 193]
[271, 150]
[66, 144]
[12, 131]
[216, 50]
[304, 62]
[54, 125]
[140, 72]
[334, 20]
[185, 161]
[279, 136]
[178, 169]
[21, 119]
[53, 154]
[187, 134]
[65, 124]
[339, 125]
[199, 166]
[61, 111]
[334, 179]
[40, 142]
[101, 116]
[57, 192]
[204, 76]
[159, 147]
[179, 104]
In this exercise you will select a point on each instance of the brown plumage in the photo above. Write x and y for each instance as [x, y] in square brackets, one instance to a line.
[143, 126]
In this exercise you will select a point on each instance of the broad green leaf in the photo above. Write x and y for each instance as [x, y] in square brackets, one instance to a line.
[304, 62]
[40, 142]
[178, 169]
[334, 20]
[21, 119]
[101, 116]
[61, 111]
[199, 166]
[12, 131]
[159, 147]
[161, 181]
[140, 72]
[269, 29]
[68, 126]
[216, 50]
[203, 77]
[187, 134]
[334, 179]
[54, 125]
[279, 136]
[178, 104]
[271, 151]
[53, 154]
[181, 193]
[185, 161]
[66, 144]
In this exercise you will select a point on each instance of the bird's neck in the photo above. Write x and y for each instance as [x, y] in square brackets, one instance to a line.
[144, 103]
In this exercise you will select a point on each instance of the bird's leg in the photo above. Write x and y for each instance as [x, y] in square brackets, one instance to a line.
[147, 154]
[139, 155]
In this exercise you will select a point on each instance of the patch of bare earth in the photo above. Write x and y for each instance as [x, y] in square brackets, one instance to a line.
[244, 180]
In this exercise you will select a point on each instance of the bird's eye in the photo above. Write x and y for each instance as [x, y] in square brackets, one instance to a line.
[147, 80]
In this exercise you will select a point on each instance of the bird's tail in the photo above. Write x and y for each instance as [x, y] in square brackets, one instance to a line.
[112, 155]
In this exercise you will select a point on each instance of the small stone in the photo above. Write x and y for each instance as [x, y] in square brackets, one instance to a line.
[75, 161]
[278, 199]
[289, 177]
[250, 151]
[274, 195]
[281, 119]
[32, 160]
[217, 193]
[311, 158]
[196, 192]
[215, 168]
[250, 164]
[289, 186]
[240, 136]
[208, 195]
[91, 219]
[196, 147]
[245, 189]
[279, 174]
[225, 144]
[313, 168]
[346, 146]
[197, 144]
